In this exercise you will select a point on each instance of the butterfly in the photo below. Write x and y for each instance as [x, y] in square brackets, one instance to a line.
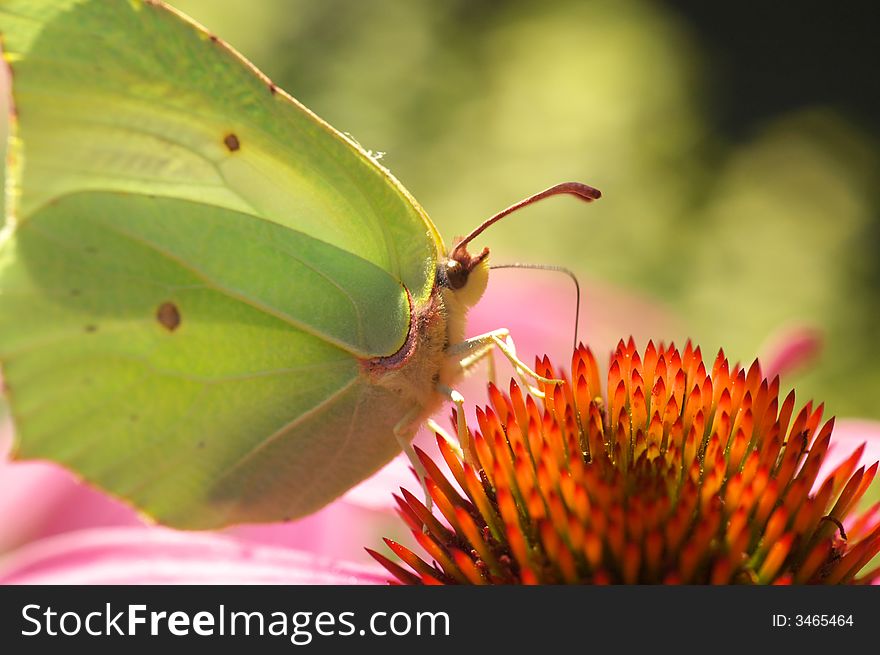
[213, 305]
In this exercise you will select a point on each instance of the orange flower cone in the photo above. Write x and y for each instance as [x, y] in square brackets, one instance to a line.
[677, 474]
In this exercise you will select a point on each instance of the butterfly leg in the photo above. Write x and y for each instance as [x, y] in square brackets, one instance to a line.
[470, 351]
[406, 427]
[435, 427]
[461, 428]
[404, 432]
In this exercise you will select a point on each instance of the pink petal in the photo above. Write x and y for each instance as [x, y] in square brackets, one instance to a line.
[339, 530]
[375, 492]
[40, 499]
[162, 556]
[847, 436]
[790, 349]
[538, 308]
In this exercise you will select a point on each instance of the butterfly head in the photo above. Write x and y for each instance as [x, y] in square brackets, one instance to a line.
[465, 274]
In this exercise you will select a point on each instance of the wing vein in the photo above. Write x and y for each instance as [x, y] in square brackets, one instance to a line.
[232, 293]
[278, 434]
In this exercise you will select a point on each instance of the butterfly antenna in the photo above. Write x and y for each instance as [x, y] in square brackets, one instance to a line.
[582, 191]
[557, 269]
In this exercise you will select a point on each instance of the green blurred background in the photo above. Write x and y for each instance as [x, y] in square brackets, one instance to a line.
[736, 148]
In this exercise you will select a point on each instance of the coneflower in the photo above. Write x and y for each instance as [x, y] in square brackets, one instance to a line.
[677, 475]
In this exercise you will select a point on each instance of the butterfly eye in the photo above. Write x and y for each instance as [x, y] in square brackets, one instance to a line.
[456, 274]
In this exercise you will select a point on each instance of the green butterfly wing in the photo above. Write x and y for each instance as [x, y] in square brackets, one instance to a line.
[193, 270]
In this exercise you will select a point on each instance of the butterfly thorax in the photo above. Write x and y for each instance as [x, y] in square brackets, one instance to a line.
[423, 362]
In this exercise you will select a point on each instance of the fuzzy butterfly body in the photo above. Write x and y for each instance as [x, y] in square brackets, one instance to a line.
[212, 304]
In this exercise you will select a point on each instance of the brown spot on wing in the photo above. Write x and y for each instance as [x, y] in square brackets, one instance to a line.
[231, 142]
[168, 316]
